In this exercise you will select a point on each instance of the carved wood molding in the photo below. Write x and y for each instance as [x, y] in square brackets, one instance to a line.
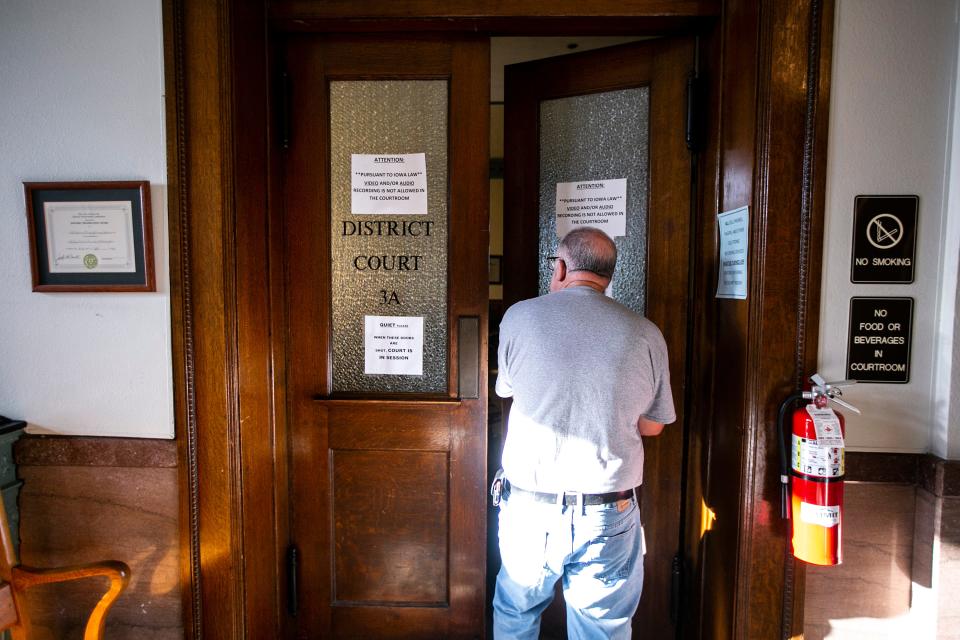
[812, 194]
[789, 212]
[782, 310]
[181, 288]
[200, 173]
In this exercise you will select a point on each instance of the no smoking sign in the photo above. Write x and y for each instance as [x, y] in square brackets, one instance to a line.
[884, 239]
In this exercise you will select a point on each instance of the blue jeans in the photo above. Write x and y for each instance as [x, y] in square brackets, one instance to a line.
[596, 549]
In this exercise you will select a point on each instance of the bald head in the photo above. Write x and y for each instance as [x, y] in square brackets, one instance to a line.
[589, 249]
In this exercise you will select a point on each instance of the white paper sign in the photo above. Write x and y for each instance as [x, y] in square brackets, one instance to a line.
[734, 227]
[388, 183]
[393, 345]
[89, 237]
[826, 516]
[599, 203]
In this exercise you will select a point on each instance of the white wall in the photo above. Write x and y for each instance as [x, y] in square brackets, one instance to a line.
[81, 98]
[891, 127]
[945, 440]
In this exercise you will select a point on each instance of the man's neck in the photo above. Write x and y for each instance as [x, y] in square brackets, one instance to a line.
[582, 282]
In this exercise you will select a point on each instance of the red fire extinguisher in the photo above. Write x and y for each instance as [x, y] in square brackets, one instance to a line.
[812, 479]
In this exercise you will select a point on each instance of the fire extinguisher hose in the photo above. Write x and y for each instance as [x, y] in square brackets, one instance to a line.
[785, 406]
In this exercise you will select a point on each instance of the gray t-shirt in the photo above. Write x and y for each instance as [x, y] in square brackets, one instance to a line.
[582, 369]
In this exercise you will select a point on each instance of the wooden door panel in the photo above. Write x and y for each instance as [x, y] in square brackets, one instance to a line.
[392, 623]
[389, 472]
[387, 489]
[390, 526]
[662, 65]
[358, 424]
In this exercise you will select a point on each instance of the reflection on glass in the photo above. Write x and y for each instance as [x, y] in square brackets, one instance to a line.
[601, 136]
[388, 117]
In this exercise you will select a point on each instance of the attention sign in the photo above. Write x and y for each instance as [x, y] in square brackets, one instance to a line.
[878, 349]
[598, 203]
[884, 239]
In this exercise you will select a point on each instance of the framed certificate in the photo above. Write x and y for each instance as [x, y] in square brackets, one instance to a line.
[90, 236]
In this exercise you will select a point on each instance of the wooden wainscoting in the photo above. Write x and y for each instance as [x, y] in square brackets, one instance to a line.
[87, 499]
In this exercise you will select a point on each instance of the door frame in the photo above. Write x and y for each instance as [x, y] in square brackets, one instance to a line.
[767, 70]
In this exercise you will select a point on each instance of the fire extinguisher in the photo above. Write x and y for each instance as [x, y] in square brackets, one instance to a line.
[811, 481]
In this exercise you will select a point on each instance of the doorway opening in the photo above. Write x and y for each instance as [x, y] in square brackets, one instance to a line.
[585, 123]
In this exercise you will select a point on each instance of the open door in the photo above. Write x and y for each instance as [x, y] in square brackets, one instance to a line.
[385, 224]
[596, 117]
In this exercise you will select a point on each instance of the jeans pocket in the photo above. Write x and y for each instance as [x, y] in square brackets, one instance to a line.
[611, 543]
[617, 553]
[612, 574]
[611, 522]
[523, 541]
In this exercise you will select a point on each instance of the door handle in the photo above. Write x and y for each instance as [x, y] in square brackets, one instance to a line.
[468, 356]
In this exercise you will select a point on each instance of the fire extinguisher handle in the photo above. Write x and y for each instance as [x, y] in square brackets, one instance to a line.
[844, 403]
[831, 390]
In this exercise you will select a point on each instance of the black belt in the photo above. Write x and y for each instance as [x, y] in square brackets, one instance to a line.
[568, 498]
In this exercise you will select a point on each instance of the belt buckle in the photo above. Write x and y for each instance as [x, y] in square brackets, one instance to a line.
[577, 498]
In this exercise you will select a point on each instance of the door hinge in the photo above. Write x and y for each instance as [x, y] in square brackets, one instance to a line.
[284, 112]
[293, 569]
[676, 580]
[696, 97]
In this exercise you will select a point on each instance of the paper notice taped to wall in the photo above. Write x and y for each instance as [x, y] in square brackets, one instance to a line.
[734, 232]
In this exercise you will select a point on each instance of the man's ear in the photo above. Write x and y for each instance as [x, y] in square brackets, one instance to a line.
[561, 269]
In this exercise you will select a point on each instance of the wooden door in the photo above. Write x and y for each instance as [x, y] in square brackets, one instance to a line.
[387, 469]
[600, 115]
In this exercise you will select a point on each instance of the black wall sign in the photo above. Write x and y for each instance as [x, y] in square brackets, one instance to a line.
[878, 348]
[884, 239]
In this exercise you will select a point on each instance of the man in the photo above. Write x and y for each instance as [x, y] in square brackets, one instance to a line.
[588, 377]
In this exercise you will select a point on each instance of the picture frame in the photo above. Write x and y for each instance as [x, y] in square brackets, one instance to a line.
[90, 236]
[496, 276]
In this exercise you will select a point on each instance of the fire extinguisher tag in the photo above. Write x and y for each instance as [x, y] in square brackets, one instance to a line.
[827, 426]
[822, 456]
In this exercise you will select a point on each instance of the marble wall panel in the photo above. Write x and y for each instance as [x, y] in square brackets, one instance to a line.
[868, 596]
[948, 571]
[78, 514]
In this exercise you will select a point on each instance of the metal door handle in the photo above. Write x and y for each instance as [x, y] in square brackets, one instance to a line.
[468, 356]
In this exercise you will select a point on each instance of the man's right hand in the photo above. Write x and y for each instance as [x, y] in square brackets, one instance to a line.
[649, 427]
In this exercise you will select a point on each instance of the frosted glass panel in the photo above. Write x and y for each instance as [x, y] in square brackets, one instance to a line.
[388, 264]
[601, 136]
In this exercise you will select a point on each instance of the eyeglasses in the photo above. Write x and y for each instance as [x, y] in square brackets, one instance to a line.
[552, 262]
